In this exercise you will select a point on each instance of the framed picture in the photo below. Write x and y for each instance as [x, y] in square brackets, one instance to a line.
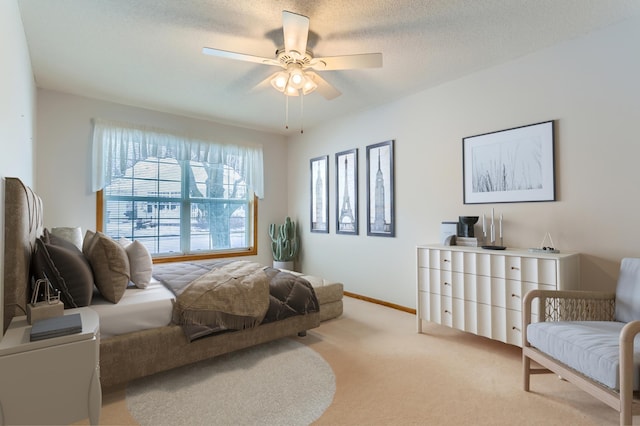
[347, 192]
[509, 166]
[320, 194]
[380, 218]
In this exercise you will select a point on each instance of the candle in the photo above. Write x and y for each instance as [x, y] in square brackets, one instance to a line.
[500, 225]
[493, 228]
[484, 232]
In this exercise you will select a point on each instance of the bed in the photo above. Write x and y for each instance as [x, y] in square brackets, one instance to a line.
[124, 354]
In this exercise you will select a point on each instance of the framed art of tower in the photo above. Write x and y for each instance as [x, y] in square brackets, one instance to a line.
[380, 209]
[347, 192]
[320, 194]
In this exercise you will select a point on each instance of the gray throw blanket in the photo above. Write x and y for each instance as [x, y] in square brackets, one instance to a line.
[233, 296]
[241, 292]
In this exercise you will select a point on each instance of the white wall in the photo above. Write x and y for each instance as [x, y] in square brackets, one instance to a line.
[17, 97]
[590, 86]
[64, 158]
[17, 109]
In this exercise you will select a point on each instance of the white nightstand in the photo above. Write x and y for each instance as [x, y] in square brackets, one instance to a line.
[50, 381]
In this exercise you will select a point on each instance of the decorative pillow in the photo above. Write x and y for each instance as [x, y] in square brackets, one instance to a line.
[73, 235]
[88, 237]
[72, 266]
[42, 266]
[110, 265]
[627, 295]
[140, 262]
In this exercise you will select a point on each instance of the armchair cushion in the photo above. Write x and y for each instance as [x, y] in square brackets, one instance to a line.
[628, 291]
[590, 347]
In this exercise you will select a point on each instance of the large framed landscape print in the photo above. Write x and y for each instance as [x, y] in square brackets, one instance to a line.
[380, 198]
[320, 194]
[509, 166]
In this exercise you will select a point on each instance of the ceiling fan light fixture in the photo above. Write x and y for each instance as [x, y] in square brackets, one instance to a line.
[309, 85]
[293, 81]
[280, 80]
[290, 91]
[296, 76]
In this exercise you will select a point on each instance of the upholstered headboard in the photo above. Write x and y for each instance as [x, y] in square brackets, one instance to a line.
[23, 224]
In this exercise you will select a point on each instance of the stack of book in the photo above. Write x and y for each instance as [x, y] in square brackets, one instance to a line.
[467, 241]
[56, 327]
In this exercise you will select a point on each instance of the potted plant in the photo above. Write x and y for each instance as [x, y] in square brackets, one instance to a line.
[284, 244]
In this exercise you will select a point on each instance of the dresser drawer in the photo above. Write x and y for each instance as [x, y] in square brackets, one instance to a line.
[440, 259]
[446, 260]
[533, 270]
[452, 312]
[436, 308]
[435, 281]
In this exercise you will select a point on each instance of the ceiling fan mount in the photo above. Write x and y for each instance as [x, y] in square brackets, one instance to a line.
[296, 59]
[290, 57]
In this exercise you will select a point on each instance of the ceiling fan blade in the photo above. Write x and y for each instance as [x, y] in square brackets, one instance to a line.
[239, 56]
[330, 63]
[324, 88]
[296, 30]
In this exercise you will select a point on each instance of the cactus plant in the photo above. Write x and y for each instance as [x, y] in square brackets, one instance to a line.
[284, 241]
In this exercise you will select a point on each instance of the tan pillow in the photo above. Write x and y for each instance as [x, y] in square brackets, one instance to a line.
[110, 265]
[140, 263]
[88, 238]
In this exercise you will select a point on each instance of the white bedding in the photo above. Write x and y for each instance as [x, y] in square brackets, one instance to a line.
[139, 309]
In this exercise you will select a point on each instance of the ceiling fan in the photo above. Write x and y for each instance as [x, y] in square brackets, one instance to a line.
[298, 76]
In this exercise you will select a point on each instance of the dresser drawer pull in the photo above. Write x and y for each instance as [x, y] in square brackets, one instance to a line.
[446, 311]
[515, 328]
[515, 268]
[446, 283]
[446, 260]
[515, 295]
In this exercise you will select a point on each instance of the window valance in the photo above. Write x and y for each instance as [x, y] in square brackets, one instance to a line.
[118, 146]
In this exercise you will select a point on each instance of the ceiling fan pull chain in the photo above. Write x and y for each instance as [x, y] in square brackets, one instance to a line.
[301, 112]
[286, 112]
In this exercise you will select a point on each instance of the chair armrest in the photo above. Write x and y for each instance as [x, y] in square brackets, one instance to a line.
[627, 337]
[567, 305]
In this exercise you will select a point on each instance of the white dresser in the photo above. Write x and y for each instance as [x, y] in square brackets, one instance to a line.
[480, 291]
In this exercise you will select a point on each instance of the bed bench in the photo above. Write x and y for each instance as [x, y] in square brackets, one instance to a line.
[329, 294]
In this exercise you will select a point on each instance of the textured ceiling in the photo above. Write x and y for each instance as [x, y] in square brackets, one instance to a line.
[148, 53]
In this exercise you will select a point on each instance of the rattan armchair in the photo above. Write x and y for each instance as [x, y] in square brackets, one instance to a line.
[572, 307]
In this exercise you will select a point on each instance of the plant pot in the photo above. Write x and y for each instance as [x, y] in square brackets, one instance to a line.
[288, 265]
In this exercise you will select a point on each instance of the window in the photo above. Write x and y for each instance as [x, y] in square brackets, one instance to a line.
[178, 196]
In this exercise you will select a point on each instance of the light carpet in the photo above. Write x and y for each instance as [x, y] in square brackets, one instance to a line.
[280, 383]
[387, 374]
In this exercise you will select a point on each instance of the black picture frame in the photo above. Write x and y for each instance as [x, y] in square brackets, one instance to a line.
[380, 190]
[347, 192]
[319, 206]
[510, 166]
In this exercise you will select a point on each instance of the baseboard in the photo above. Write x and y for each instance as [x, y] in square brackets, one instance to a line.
[380, 302]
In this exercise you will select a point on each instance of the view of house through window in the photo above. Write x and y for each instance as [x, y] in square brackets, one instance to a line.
[180, 207]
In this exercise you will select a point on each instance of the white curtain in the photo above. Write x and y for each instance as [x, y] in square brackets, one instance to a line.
[118, 146]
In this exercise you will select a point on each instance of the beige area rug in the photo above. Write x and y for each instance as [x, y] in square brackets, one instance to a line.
[387, 374]
[277, 383]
